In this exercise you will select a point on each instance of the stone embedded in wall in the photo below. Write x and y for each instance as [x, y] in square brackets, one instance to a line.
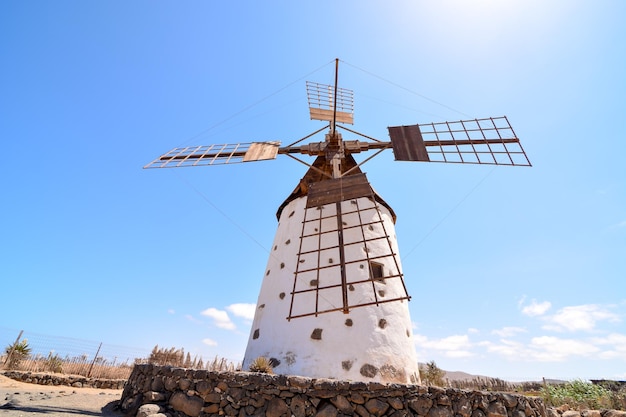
[317, 334]
[368, 370]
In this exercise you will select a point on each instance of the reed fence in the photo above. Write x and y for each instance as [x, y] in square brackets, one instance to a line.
[92, 359]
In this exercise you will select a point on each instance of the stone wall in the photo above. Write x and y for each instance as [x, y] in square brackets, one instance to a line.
[66, 380]
[187, 392]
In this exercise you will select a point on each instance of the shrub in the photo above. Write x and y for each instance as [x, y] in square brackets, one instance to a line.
[431, 374]
[54, 363]
[17, 352]
[262, 365]
[577, 394]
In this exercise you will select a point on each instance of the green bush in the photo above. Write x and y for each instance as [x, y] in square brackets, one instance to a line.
[577, 394]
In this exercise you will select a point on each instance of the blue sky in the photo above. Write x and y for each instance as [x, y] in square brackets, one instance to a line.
[515, 272]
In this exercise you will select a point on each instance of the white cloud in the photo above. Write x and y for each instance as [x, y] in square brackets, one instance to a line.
[554, 349]
[209, 342]
[536, 309]
[507, 348]
[580, 318]
[456, 346]
[615, 345]
[508, 331]
[543, 349]
[244, 310]
[192, 319]
[459, 354]
[220, 318]
[473, 330]
[171, 311]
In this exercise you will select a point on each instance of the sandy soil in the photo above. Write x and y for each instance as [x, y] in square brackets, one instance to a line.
[21, 399]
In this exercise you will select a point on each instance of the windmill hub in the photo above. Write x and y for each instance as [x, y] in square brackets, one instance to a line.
[333, 302]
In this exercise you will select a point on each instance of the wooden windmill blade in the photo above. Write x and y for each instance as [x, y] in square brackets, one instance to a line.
[477, 141]
[216, 155]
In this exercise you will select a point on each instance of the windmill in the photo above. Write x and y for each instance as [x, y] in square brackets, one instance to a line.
[333, 301]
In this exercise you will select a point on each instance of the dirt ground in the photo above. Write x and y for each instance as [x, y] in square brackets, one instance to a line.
[20, 399]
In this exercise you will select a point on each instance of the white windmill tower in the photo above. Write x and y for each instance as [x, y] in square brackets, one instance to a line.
[333, 303]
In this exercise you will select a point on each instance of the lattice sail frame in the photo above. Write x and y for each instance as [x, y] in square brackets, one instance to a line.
[476, 141]
[349, 235]
[321, 99]
[216, 155]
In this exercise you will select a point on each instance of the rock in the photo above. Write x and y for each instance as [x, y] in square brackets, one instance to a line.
[590, 413]
[357, 398]
[571, 413]
[396, 403]
[496, 409]
[478, 413]
[462, 407]
[326, 410]
[614, 413]
[148, 410]
[276, 408]
[211, 409]
[157, 384]
[444, 400]
[170, 384]
[203, 387]
[509, 400]
[421, 405]
[342, 404]
[192, 406]
[298, 406]
[440, 412]
[376, 407]
[184, 384]
[299, 382]
[361, 411]
[213, 398]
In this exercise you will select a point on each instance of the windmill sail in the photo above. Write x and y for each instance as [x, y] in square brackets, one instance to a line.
[477, 141]
[216, 155]
[322, 101]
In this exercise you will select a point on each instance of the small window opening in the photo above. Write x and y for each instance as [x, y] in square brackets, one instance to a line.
[377, 270]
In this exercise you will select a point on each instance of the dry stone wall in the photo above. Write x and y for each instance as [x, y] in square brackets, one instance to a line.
[159, 390]
[64, 380]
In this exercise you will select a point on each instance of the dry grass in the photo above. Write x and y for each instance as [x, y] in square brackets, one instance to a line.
[101, 368]
[496, 384]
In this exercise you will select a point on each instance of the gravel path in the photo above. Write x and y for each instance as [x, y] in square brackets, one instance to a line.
[20, 399]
